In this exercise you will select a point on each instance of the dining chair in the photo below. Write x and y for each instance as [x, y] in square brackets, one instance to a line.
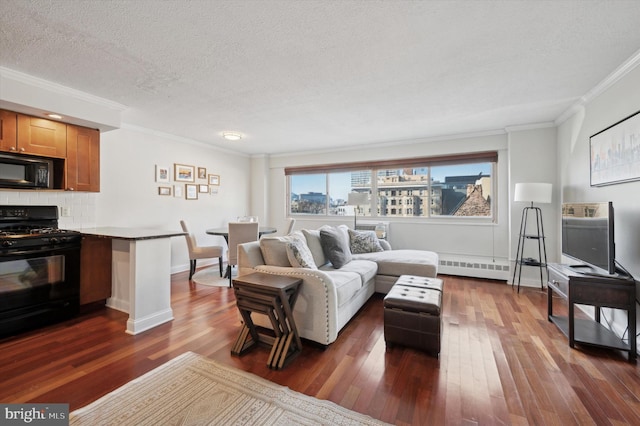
[239, 233]
[292, 223]
[200, 252]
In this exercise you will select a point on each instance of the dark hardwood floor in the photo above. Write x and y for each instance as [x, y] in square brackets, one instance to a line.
[502, 362]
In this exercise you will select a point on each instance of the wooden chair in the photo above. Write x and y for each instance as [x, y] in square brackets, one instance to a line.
[200, 252]
[239, 233]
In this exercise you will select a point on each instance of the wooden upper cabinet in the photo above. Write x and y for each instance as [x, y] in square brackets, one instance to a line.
[83, 159]
[41, 137]
[8, 131]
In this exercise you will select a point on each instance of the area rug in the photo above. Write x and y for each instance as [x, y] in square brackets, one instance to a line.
[210, 277]
[194, 390]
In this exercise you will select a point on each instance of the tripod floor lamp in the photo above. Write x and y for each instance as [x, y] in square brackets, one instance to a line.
[531, 193]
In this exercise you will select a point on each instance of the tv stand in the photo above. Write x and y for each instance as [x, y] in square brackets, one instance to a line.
[599, 292]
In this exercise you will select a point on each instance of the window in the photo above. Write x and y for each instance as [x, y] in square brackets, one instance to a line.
[454, 186]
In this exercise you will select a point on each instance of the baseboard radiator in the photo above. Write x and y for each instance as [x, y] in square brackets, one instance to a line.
[476, 267]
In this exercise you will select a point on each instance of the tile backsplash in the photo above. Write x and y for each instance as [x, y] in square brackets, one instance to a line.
[76, 209]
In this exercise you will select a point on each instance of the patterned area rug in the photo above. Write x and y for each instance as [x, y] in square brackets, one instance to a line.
[194, 390]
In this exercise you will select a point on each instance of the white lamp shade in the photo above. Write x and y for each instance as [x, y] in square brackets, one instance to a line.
[358, 198]
[533, 192]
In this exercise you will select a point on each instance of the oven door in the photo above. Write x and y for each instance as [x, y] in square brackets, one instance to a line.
[37, 286]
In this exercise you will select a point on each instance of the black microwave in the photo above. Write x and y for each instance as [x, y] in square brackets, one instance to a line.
[22, 172]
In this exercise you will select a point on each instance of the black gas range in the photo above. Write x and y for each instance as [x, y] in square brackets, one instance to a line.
[39, 268]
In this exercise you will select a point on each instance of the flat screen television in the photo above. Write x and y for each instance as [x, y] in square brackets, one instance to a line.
[587, 237]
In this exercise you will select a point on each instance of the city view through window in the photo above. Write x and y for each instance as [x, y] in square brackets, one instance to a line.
[451, 190]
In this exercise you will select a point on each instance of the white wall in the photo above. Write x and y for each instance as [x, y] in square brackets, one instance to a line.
[609, 107]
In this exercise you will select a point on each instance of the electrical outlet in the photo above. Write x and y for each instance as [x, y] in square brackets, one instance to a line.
[65, 211]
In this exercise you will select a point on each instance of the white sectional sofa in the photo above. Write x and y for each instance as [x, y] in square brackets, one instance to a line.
[330, 296]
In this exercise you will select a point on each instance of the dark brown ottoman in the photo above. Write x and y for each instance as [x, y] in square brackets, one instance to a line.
[412, 313]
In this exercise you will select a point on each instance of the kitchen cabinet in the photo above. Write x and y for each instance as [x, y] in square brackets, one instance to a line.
[8, 130]
[82, 169]
[95, 269]
[42, 137]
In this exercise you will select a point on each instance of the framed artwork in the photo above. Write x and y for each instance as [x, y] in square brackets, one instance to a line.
[214, 180]
[615, 153]
[213, 190]
[202, 173]
[164, 190]
[177, 191]
[184, 173]
[191, 191]
[203, 189]
[162, 174]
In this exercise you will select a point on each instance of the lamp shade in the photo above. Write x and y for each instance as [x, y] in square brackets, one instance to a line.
[533, 192]
[358, 198]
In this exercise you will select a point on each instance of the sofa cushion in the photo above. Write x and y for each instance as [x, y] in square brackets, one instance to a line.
[315, 246]
[335, 245]
[274, 249]
[365, 268]
[299, 254]
[364, 242]
[404, 262]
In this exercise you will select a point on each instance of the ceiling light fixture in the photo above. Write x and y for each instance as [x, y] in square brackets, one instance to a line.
[56, 116]
[232, 136]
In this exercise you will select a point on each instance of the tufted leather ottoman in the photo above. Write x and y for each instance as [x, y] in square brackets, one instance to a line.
[412, 313]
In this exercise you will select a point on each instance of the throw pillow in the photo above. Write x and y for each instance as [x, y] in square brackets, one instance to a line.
[315, 246]
[274, 249]
[335, 246]
[299, 254]
[364, 242]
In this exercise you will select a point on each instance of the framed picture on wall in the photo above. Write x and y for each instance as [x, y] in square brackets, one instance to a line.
[615, 152]
[184, 173]
[191, 192]
[202, 173]
[177, 191]
[162, 174]
[203, 188]
[214, 180]
[164, 190]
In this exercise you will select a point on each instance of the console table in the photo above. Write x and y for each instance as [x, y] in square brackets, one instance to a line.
[274, 296]
[599, 292]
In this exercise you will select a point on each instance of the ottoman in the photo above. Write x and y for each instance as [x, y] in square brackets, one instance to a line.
[412, 313]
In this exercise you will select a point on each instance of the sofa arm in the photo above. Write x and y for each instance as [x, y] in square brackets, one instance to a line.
[315, 311]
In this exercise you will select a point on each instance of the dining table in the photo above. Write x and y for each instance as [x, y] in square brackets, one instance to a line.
[224, 231]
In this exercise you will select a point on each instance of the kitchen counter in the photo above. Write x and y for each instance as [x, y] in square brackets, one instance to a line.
[141, 274]
[130, 233]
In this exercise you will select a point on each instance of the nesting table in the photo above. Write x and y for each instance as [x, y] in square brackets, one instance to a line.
[273, 296]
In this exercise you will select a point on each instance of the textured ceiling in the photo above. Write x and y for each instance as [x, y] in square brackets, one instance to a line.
[301, 75]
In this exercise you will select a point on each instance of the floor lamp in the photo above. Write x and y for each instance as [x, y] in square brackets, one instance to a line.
[357, 199]
[531, 193]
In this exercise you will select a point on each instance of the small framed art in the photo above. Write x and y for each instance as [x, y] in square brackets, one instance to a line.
[202, 173]
[177, 191]
[214, 180]
[184, 173]
[164, 190]
[203, 189]
[162, 174]
[191, 192]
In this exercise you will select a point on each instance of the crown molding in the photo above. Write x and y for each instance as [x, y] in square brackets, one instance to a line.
[619, 73]
[60, 89]
[533, 126]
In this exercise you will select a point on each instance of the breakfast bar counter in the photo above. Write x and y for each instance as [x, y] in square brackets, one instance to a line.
[141, 274]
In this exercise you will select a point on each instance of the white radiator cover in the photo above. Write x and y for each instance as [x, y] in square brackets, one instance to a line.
[474, 266]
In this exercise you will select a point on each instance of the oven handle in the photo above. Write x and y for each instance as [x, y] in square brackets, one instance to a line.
[36, 251]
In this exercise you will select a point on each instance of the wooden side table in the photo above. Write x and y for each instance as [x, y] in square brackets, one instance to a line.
[274, 296]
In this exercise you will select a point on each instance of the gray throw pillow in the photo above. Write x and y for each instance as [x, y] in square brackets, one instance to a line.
[364, 242]
[335, 246]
